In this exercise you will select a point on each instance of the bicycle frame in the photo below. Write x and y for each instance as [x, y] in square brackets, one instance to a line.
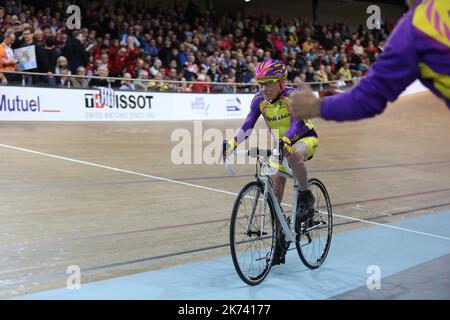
[289, 230]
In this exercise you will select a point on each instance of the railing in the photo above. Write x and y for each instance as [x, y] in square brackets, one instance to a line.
[216, 87]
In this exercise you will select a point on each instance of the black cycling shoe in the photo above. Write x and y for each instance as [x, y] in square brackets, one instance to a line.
[279, 256]
[306, 205]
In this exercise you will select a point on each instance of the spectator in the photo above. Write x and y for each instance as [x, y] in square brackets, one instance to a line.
[102, 72]
[347, 46]
[104, 58]
[182, 55]
[49, 60]
[321, 74]
[330, 74]
[39, 37]
[7, 60]
[310, 74]
[328, 42]
[214, 73]
[165, 54]
[307, 45]
[371, 50]
[126, 84]
[158, 84]
[200, 86]
[64, 80]
[156, 68]
[80, 82]
[293, 72]
[345, 73]
[123, 59]
[173, 76]
[185, 87]
[151, 48]
[27, 38]
[61, 62]
[192, 68]
[141, 83]
[75, 51]
[226, 86]
[358, 48]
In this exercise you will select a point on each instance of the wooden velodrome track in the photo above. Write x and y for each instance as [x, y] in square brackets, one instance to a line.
[55, 212]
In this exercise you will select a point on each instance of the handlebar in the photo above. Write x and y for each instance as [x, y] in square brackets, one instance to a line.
[252, 152]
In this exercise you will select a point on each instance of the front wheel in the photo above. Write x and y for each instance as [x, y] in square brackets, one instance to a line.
[314, 235]
[252, 234]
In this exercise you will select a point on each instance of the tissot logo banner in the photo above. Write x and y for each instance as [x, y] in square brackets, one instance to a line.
[107, 104]
[118, 101]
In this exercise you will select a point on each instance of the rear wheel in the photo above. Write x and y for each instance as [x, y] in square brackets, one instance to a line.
[252, 234]
[314, 234]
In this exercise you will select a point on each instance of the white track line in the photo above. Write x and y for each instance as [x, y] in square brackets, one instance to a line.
[198, 186]
[393, 227]
[115, 169]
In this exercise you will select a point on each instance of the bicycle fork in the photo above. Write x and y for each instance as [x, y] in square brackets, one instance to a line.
[262, 216]
[252, 215]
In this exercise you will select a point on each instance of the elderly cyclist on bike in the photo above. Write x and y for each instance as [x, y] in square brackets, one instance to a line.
[300, 140]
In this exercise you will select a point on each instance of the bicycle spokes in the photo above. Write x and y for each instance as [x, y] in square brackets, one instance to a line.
[314, 234]
[251, 235]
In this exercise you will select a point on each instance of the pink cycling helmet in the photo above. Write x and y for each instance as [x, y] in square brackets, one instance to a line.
[271, 69]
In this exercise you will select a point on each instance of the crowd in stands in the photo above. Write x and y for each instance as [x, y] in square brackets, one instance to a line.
[145, 44]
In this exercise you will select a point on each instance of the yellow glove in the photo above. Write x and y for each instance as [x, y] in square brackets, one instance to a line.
[232, 143]
[231, 146]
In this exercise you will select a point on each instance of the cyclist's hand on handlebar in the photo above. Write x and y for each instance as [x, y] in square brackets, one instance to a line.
[231, 145]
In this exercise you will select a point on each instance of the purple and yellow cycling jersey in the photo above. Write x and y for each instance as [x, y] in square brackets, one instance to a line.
[277, 117]
[418, 48]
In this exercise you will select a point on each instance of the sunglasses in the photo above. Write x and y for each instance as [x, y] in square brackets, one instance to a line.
[266, 82]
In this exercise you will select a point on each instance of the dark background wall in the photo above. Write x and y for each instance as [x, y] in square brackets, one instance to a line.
[350, 11]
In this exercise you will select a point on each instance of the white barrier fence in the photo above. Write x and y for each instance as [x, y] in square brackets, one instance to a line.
[50, 104]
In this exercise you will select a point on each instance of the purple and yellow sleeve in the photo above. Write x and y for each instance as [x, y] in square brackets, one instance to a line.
[297, 129]
[395, 69]
[250, 121]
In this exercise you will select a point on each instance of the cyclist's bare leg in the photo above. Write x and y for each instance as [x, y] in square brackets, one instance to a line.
[297, 164]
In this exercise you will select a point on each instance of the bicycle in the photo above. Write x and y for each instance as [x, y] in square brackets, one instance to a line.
[256, 228]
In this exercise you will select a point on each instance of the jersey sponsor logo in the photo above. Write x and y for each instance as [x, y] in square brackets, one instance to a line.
[281, 117]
